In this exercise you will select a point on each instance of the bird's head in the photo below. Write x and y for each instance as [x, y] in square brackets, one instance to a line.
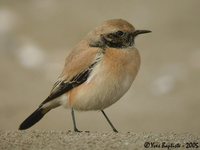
[115, 33]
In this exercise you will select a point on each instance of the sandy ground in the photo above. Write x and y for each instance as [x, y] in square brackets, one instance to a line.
[36, 139]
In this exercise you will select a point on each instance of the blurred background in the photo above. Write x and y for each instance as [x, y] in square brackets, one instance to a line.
[36, 36]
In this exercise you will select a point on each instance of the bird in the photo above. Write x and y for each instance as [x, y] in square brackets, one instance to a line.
[98, 71]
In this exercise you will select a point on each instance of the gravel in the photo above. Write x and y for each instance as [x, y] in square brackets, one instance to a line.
[48, 140]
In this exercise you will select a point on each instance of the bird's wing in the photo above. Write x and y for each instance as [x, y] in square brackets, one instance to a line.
[77, 69]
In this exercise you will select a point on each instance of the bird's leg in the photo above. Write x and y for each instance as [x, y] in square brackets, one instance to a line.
[74, 121]
[115, 130]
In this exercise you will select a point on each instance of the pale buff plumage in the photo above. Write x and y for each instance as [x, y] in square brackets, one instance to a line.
[107, 66]
[110, 80]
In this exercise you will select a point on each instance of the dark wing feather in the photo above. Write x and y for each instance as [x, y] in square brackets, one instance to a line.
[61, 87]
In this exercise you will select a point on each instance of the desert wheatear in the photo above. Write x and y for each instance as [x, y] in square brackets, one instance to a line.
[98, 72]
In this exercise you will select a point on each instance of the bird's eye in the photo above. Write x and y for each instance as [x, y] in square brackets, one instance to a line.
[120, 33]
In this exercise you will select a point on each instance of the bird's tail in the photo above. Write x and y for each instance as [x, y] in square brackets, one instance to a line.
[39, 113]
[32, 119]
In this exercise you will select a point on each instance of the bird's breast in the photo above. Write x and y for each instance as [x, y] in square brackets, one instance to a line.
[108, 82]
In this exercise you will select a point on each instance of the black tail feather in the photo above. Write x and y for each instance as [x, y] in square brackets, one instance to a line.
[32, 119]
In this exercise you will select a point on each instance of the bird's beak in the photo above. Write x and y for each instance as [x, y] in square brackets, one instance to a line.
[137, 32]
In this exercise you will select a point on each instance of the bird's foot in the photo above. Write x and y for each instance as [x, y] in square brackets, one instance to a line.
[115, 130]
[76, 130]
